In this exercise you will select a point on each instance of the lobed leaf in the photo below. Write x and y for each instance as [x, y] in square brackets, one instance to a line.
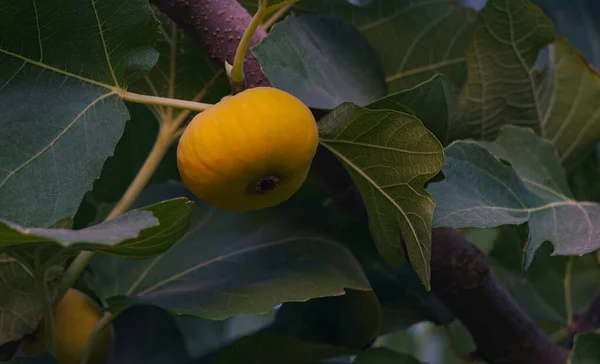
[505, 87]
[61, 66]
[480, 191]
[390, 156]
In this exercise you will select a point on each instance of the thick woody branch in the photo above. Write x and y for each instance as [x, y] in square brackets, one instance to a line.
[462, 280]
[217, 26]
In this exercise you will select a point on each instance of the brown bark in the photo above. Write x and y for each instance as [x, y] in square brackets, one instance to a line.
[218, 26]
[461, 278]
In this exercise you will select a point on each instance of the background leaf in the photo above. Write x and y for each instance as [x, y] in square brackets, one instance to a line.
[271, 348]
[501, 84]
[586, 349]
[480, 191]
[321, 60]
[147, 335]
[351, 320]
[414, 39]
[383, 356]
[390, 155]
[41, 359]
[575, 20]
[216, 271]
[51, 153]
[557, 101]
[549, 285]
[183, 70]
[20, 308]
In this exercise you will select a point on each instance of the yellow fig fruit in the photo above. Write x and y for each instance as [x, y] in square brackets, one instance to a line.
[74, 319]
[249, 151]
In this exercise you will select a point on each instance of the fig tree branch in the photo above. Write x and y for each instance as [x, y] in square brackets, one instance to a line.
[503, 333]
[218, 26]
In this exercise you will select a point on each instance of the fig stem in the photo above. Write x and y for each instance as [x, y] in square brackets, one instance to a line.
[273, 19]
[237, 73]
[160, 101]
[101, 324]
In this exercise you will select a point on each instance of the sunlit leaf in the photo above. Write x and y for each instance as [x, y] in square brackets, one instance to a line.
[60, 71]
[389, 155]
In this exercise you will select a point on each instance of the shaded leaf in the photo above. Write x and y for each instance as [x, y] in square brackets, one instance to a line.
[432, 102]
[147, 335]
[120, 169]
[550, 282]
[586, 349]
[321, 60]
[414, 39]
[584, 178]
[270, 348]
[576, 20]
[216, 271]
[183, 70]
[448, 341]
[389, 155]
[480, 191]
[504, 87]
[351, 320]
[55, 143]
[501, 85]
[44, 358]
[141, 233]
[383, 356]
[19, 306]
